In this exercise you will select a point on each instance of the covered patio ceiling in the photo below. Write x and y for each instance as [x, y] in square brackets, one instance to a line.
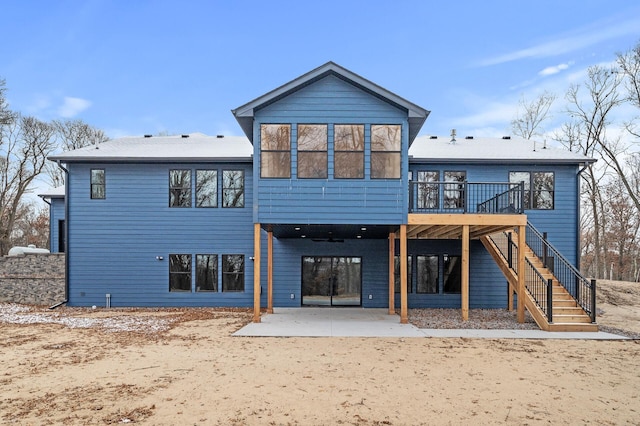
[326, 231]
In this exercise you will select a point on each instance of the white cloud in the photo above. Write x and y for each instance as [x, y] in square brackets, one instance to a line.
[582, 38]
[555, 69]
[73, 106]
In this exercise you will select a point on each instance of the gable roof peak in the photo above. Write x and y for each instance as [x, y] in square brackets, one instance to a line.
[245, 113]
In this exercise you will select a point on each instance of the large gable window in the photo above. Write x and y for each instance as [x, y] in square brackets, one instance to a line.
[312, 151]
[348, 160]
[275, 150]
[179, 188]
[538, 189]
[385, 151]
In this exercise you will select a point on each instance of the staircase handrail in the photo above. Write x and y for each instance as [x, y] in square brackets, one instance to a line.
[578, 286]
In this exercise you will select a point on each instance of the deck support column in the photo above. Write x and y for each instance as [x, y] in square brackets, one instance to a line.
[465, 273]
[392, 251]
[522, 242]
[270, 271]
[256, 272]
[404, 316]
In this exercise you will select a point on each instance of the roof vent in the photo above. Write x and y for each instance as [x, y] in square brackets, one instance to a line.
[185, 136]
[147, 136]
[506, 137]
[453, 137]
[468, 137]
[219, 136]
[433, 137]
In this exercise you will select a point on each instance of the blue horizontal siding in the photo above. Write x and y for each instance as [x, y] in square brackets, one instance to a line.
[561, 223]
[56, 214]
[113, 243]
[341, 201]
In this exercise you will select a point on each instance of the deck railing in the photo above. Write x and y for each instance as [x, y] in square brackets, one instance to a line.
[466, 197]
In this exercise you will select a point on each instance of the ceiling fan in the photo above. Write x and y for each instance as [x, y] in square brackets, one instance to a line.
[328, 240]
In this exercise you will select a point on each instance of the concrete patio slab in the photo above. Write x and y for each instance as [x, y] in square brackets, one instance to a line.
[359, 322]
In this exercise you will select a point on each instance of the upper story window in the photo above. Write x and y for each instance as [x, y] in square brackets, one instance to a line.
[179, 188]
[538, 189]
[232, 188]
[386, 141]
[348, 155]
[206, 188]
[454, 191]
[98, 189]
[428, 189]
[275, 150]
[312, 151]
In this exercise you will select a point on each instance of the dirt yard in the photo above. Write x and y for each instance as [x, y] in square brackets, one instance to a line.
[170, 367]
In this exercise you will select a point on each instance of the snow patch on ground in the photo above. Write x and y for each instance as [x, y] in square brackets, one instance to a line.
[18, 314]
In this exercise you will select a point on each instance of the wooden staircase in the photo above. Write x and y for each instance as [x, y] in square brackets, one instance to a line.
[566, 313]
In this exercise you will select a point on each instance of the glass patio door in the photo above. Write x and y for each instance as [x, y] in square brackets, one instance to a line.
[331, 281]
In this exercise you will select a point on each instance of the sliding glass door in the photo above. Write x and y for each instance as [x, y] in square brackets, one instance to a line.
[331, 281]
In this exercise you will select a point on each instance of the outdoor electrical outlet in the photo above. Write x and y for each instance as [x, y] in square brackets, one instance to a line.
[293, 296]
[370, 296]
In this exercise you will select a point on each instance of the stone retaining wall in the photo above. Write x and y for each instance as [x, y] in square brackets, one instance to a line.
[34, 279]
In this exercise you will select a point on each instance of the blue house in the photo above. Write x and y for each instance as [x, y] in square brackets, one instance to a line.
[55, 199]
[331, 198]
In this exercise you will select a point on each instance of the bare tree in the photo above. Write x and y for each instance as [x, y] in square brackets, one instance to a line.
[72, 134]
[25, 144]
[31, 226]
[531, 115]
[6, 115]
[587, 133]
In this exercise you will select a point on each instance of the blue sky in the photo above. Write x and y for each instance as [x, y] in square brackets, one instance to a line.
[134, 67]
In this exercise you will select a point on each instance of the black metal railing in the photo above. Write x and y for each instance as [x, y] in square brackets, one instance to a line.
[541, 289]
[581, 289]
[466, 197]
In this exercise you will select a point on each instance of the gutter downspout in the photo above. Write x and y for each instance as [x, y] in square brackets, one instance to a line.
[66, 237]
[578, 215]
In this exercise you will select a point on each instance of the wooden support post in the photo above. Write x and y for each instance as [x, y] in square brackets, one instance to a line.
[256, 272]
[509, 297]
[392, 252]
[465, 272]
[404, 314]
[270, 272]
[522, 242]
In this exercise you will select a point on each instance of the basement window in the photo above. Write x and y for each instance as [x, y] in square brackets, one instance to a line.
[180, 272]
[232, 272]
[396, 273]
[427, 274]
[206, 272]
